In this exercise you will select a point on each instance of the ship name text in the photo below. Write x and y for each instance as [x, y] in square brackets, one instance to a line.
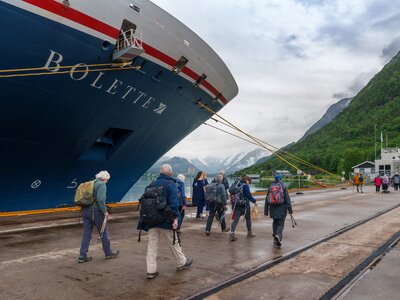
[101, 81]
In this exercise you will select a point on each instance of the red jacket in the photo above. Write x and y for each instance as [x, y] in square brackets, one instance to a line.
[378, 181]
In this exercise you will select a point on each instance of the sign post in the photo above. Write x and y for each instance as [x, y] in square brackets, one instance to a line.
[343, 179]
[298, 175]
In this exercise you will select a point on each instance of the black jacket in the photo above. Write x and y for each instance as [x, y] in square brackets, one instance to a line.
[279, 211]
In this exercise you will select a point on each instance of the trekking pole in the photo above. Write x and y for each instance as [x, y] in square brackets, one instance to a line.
[176, 237]
[294, 223]
[179, 239]
[103, 227]
[222, 215]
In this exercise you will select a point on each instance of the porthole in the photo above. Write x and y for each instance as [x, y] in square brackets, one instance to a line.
[106, 45]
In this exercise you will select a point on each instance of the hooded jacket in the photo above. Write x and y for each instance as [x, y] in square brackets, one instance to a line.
[278, 211]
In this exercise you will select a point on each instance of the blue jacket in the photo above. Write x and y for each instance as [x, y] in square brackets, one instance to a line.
[171, 195]
[181, 190]
[246, 192]
[198, 192]
[248, 196]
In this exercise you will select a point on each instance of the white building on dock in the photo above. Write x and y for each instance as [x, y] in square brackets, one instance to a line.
[389, 163]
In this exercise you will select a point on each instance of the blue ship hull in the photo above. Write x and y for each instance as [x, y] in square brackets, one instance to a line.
[58, 131]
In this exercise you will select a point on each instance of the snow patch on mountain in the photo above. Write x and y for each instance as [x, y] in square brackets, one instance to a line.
[211, 165]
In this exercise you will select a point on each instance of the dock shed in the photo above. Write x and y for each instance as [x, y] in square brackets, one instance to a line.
[366, 168]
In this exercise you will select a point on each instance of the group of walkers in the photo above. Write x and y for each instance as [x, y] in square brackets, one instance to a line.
[385, 182]
[359, 182]
[163, 207]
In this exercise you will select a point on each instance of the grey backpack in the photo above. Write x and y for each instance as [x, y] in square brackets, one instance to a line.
[210, 193]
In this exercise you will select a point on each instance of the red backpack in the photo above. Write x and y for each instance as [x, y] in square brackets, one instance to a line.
[276, 196]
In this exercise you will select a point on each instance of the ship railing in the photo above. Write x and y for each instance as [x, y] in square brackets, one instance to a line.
[127, 39]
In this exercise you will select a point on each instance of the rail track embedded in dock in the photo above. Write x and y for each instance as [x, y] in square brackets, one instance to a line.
[290, 255]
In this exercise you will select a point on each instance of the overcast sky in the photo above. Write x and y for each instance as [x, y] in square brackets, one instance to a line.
[291, 59]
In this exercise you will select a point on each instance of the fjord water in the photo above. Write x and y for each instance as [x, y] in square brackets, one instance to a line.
[138, 188]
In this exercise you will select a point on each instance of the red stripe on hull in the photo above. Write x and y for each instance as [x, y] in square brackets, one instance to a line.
[92, 23]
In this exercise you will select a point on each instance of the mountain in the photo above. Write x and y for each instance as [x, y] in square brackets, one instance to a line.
[330, 114]
[178, 164]
[211, 165]
[201, 164]
[244, 161]
[349, 138]
[230, 164]
[266, 158]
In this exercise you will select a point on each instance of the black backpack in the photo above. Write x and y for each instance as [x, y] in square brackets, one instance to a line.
[237, 196]
[153, 206]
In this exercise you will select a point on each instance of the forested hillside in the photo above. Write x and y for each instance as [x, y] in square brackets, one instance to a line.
[349, 139]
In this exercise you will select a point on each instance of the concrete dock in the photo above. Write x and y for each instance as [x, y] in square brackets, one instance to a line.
[42, 264]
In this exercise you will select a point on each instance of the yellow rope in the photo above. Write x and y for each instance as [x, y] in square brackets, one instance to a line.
[70, 71]
[258, 143]
[284, 152]
[252, 138]
[63, 67]
[259, 146]
[126, 66]
[232, 134]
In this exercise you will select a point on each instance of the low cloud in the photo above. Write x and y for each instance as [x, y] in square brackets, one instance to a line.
[290, 58]
[340, 95]
[391, 49]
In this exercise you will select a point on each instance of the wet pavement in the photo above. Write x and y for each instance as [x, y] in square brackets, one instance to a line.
[382, 282]
[42, 264]
[311, 274]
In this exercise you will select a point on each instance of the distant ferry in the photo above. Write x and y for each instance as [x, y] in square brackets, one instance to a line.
[58, 130]
[254, 176]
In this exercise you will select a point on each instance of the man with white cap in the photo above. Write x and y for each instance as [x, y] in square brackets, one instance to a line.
[94, 215]
[163, 229]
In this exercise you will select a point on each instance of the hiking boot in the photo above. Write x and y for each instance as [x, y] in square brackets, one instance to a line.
[232, 237]
[188, 263]
[225, 230]
[277, 241]
[152, 275]
[250, 234]
[114, 254]
[207, 232]
[83, 259]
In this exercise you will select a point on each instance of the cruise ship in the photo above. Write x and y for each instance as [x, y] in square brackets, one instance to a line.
[90, 85]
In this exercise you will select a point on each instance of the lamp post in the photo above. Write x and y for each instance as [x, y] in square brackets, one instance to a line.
[375, 141]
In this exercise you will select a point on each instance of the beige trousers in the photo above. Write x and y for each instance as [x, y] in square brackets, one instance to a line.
[152, 249]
